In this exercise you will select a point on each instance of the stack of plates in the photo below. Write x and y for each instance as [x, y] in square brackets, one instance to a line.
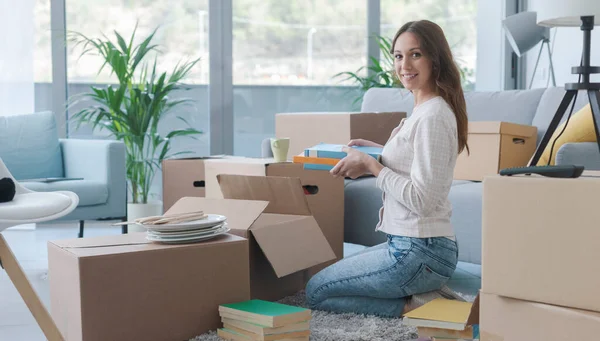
[209, 227]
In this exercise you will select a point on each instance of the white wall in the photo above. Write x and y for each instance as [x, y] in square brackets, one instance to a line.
[16, 57]
[566, 53]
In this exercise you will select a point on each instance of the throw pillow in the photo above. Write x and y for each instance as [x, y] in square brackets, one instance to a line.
[580, 129]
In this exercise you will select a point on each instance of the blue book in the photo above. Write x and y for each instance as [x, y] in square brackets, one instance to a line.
[334, 151]
[314, 166]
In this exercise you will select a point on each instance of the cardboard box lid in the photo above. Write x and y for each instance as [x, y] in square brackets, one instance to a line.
[284, 194]
[291, 242]
[240, 214]
[498, 127]
[127, 243]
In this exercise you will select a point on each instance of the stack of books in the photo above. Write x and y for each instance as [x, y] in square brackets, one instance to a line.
[325, 156]
[444, 319]
[264, 321]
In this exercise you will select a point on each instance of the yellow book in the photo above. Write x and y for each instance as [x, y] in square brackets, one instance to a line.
[440, 313]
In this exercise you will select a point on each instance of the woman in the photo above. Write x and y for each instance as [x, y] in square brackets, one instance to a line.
[415, 175]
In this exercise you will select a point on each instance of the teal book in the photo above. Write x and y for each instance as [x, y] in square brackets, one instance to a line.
[268, 314]
[334, 151]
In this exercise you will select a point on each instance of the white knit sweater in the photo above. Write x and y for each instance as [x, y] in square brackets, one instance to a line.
[418, 171]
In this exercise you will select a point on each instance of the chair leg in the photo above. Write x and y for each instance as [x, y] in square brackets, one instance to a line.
[124, 227]
[80, 235]
[32, 300]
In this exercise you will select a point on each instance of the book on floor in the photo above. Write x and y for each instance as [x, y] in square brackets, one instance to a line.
[264, 330]
[334, 151]
[229, 334]
[440, 313]
[265, 313]
[469, 333]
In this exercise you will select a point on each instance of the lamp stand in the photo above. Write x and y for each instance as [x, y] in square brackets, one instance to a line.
[546, 42]
[593, 91]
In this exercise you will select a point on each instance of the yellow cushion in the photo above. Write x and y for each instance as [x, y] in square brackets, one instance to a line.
[580, 129]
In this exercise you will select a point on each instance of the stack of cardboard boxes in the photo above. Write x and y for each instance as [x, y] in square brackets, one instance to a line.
[540, 275]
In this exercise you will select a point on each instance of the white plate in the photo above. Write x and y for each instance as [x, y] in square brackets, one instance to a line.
[188, 239]
[210, 221]
[190, 233]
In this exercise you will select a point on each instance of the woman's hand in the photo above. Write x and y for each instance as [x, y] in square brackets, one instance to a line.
[355, 164]
[363, 142]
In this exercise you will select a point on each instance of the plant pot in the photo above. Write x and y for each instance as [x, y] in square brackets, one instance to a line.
[135, 211]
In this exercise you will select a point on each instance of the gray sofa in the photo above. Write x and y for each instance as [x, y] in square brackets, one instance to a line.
[533, 107]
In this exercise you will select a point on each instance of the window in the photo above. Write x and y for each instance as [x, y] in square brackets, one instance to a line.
[456, 17]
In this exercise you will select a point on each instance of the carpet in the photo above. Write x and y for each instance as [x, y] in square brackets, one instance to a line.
[327, 326]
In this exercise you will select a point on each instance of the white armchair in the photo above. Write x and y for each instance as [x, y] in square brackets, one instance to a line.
[31, 207]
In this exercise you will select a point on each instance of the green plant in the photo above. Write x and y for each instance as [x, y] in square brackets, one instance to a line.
[132, 109]
[382, 76]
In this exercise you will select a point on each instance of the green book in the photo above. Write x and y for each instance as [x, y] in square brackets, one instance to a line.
[268, 314]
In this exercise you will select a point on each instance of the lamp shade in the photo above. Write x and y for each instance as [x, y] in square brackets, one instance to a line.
[554, 13]
[522, 31]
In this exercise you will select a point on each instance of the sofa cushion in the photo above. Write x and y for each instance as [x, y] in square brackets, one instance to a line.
[89, 192]
[466, 220]
[516, 106]
[580, 129]
[549, 104]
[29, 146]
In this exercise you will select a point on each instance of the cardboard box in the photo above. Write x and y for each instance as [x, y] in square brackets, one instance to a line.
[325, 194]
[124, 287]
[540, 239]
[494, 146]
[184, 178]
[273, 214]
[506, 319]
[310, 128]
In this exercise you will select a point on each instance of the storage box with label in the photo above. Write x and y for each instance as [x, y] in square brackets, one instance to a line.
[494, 146]
[324, 193]
[184, 177]
[124, 287]
[310, 128]
[507, 319]
[272, 212]
[540, 239]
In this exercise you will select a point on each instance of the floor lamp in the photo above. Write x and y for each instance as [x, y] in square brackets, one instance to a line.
[577, 13]
[523, 34]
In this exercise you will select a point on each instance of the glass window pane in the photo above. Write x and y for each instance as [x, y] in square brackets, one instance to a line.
[456, 17]
[285, 57]
[181, 35]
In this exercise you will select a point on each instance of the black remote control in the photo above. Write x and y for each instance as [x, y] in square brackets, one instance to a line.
[555, 171]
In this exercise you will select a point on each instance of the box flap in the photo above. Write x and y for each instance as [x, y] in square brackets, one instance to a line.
[239, 165]
[240, 214]
[497, 127]
[291, 243]
[284, 194]
[103, 241]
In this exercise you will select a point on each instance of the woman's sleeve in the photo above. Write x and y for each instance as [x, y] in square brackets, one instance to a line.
[432, 168]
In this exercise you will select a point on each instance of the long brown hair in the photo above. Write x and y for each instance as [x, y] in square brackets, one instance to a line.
[445, 71]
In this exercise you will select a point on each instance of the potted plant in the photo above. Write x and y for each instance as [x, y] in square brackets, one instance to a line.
[132, 110]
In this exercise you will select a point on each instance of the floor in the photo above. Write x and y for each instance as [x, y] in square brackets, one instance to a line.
[30, 247]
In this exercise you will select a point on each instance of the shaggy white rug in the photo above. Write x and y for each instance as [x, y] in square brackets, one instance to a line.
[326, 326]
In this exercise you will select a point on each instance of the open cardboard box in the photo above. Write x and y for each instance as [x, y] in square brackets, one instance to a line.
[124, 287]
[323, 192]
[273, 214]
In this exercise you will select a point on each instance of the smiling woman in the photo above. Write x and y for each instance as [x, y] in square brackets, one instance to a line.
[415, 175]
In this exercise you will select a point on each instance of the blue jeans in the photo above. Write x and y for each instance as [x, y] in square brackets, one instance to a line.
[378, 280]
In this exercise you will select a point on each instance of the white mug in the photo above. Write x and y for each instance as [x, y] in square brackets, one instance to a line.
[280, 148]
